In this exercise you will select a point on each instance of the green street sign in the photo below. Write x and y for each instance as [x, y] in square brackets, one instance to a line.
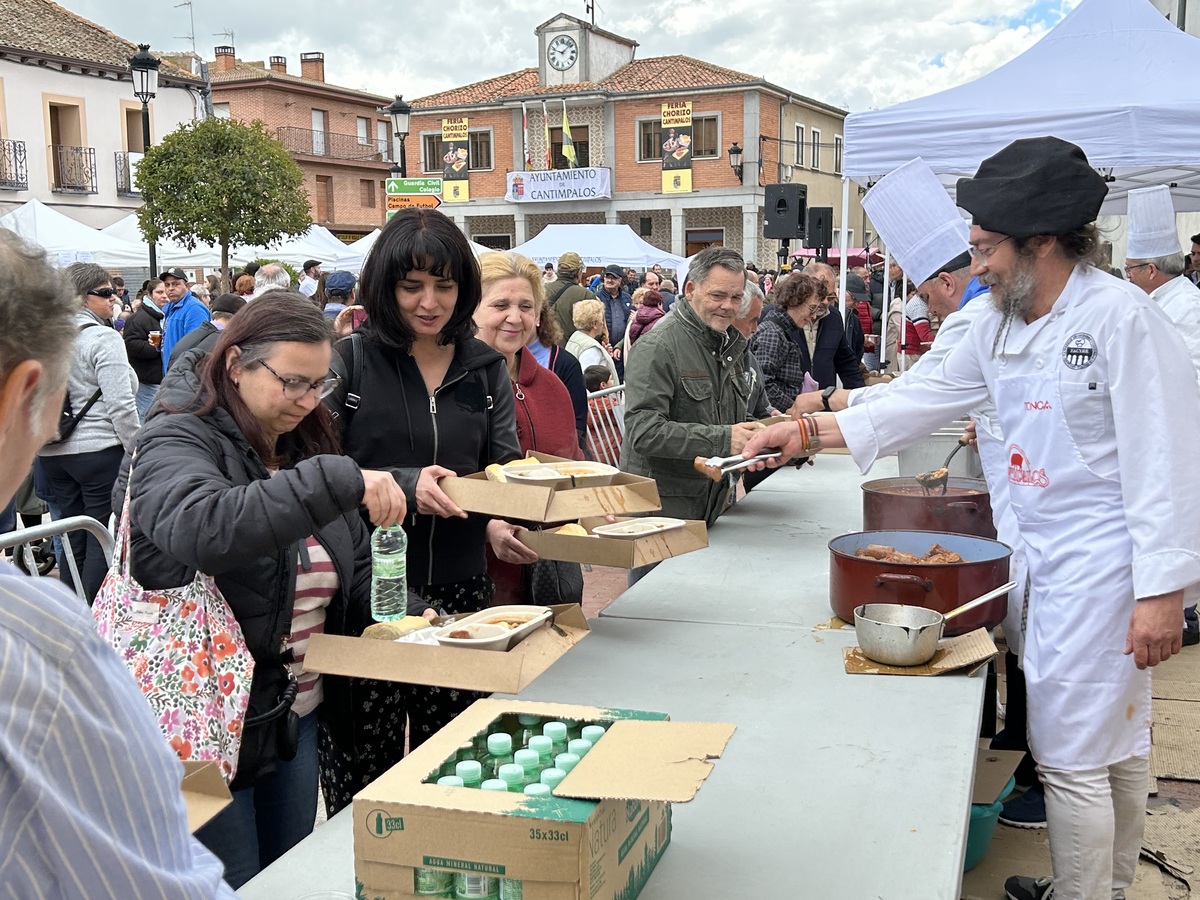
[409, 186]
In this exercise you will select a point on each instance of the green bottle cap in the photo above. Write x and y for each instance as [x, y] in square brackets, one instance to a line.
[542, 745]
[537, 790]
[556, 731]
[470, 771]
[512, 775]
[528, 718]
[528, 760]
[450, 781]
[593, 733]
[499, 744]
[551, 777]
[566, 761]
[579, 747]
[494, 784]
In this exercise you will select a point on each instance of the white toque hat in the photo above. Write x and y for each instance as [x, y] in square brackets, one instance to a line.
[918, 221]
[1151, 224]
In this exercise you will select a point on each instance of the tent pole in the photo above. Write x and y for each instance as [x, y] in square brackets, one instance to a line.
[844, 246]
[884, 349]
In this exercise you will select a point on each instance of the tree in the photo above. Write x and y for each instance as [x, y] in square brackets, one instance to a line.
[221, 182]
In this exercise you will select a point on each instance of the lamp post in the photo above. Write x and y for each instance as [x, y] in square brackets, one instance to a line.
[399, 111]
[143, 68]
[735, 160]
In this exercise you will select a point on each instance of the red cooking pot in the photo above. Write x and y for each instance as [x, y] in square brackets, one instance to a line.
[901, 503]
[855, 580]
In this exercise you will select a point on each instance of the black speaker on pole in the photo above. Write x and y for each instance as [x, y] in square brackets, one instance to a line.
[784, 211]
[820, 227]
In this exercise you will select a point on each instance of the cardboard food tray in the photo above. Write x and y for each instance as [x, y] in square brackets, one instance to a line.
[204, 792]
[964, 653]
[993, 768]
[539, 503]
[453, 667]
[621, 553]
[600, 835]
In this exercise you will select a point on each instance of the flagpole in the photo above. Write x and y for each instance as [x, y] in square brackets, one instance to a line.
[525, 135]
[546, 136]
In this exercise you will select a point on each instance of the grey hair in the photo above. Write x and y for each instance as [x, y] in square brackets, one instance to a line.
[712, 257]
[199, 289]
[272, 275]
[1172, 264]
[37, 312]
[752, 290]
[668, 285]
[85, 276]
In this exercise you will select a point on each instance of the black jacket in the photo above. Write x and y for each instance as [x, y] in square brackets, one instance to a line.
[202, 500]
[145, 359]
[569, 372]
[854, 332]
[469, 423]
[203, 337]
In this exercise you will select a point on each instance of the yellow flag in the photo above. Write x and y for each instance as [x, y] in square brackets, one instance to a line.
[568, 145]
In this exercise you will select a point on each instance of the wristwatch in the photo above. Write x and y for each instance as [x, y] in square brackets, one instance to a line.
[825, 395]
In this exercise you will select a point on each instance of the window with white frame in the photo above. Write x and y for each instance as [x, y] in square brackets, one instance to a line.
[383, 139]
[363, 130]
[479, 145]
[799, 145]
[815, 150]
[837, 154]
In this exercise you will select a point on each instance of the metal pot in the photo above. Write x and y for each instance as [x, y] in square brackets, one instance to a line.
[899, 503]
[855, 580]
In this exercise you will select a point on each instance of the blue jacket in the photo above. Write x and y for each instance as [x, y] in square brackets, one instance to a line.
[179, 318]
[616, 312]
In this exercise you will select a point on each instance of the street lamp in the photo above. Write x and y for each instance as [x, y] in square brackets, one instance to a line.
[143, 68]
[735, 159]
[399, 111]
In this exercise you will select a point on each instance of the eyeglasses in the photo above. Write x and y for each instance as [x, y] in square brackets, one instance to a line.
[101, 292]
[1129, 269]
[979, 254]
[296, 388]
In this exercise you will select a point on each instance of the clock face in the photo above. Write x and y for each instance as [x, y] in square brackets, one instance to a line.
[562, 52]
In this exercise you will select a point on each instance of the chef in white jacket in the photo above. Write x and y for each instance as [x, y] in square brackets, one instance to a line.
[1086, 376]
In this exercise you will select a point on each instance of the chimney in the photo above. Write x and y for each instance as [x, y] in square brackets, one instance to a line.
[312, 66]
[226, 59]
[279, 64]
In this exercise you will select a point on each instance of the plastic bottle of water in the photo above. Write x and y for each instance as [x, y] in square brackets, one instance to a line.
[495, 784]
[475, 887]
[537, 790]
[513, 775]
[527, 726]
[511, 889]
[528, 760]
[451, 781]
[551, 777]
[544, 748]
[557, 732]
[593, 733]
[499, 753]
[566, 761]
[389, 574]
[471, 773]
[579, 747]
[433, 883]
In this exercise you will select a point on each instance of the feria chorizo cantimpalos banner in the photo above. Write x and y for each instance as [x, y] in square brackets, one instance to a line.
[456, 161]
[677, 147]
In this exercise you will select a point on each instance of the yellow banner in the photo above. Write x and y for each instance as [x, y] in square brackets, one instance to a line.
[456, 161]
[677, 147]
[456, 129]
[675, 114]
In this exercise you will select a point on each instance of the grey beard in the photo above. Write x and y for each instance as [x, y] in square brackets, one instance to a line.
[1015, 299]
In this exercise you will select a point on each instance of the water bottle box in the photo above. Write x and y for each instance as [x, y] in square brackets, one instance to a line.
[509, 672]
[598, 835]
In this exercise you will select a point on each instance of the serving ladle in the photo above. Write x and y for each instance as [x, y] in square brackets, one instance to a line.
[939, 477]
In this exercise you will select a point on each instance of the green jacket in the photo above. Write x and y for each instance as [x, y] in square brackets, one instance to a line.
[562, 295]
[685, 386]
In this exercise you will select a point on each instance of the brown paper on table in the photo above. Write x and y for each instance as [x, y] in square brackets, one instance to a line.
[963, 653]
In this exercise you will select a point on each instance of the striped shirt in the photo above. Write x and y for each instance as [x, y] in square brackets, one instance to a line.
[90, 801]
[316, 584]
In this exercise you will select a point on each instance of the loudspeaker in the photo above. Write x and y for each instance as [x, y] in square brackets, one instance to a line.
[820, 227]
[784, 211]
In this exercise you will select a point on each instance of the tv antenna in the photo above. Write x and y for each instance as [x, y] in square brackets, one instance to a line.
[228, 35]
[590, 7]
[191, 35]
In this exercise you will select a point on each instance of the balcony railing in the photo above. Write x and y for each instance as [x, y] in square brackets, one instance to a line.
[14, 175]
[74, 169]
[127, 173]
[333, 146]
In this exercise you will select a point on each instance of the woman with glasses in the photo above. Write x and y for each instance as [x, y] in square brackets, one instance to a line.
[781, 345]
[238, 474]
[81, 468]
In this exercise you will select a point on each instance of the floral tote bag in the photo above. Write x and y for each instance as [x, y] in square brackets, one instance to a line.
[187, 653]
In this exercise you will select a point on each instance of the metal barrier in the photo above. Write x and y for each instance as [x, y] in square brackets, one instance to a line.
[606, 424]
[22, 538]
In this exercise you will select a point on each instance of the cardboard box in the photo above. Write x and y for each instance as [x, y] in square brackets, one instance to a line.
[534, 503]
[967, 653]
[599, 837]
[993, 768]
[453, 667]
[617, 552]
[204, 792]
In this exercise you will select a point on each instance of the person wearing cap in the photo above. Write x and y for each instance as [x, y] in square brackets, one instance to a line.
[205, 337]
[339, 292]
[183, 312]
[618, 305]
[563, 294]
[312, 274]
[1095, 394]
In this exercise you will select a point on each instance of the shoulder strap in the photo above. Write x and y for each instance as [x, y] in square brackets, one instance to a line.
[348, 391]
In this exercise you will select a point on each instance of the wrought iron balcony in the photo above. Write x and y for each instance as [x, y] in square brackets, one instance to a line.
[305, 142]
[74, 169]
[14, 174]
[126, 179]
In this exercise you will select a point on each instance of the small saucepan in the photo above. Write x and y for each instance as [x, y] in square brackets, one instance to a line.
[899, 635]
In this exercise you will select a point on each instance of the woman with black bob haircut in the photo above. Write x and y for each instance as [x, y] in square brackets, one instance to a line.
[237, 474]
[424, 399]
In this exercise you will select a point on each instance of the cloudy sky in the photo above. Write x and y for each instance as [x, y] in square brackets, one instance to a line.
[860, 54]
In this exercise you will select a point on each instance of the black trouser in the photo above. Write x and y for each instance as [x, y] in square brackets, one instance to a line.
[1016, 718]
[82, 484]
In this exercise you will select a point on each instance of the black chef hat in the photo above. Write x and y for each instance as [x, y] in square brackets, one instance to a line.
[1033, 186]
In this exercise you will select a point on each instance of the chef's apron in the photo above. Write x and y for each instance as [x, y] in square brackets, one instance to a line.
[993, 456]
[1089, 705]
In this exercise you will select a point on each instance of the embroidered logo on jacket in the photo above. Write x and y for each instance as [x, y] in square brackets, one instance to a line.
[1079, 352]
[1020, 472]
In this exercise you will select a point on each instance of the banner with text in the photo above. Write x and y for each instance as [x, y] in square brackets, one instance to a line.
[677, 147]
[456, 161]
[558, 184]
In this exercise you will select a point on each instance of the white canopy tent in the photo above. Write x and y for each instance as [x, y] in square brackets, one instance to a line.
[598, 245]
[316, 243]
[66, 241]
[354, 255]
[170, 253]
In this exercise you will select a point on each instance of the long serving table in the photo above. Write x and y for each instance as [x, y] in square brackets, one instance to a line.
[833, 785]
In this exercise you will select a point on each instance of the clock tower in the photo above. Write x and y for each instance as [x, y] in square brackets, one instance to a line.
[571, 50]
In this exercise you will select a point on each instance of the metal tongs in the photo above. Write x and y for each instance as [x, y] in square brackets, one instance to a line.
[717, 467]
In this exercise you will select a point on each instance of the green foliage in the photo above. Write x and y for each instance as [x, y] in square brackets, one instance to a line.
[221, 181]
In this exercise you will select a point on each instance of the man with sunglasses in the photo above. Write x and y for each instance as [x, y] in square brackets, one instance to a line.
[183, 313]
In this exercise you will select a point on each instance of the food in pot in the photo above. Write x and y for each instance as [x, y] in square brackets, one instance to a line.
[937, 555]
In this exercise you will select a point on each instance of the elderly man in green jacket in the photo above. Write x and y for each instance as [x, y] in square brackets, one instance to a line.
[686, 390]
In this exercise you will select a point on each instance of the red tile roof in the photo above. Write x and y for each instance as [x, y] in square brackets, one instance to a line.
[513, 84]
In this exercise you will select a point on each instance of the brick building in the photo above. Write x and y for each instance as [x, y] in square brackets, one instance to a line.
[337, 135]
[614, 108]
